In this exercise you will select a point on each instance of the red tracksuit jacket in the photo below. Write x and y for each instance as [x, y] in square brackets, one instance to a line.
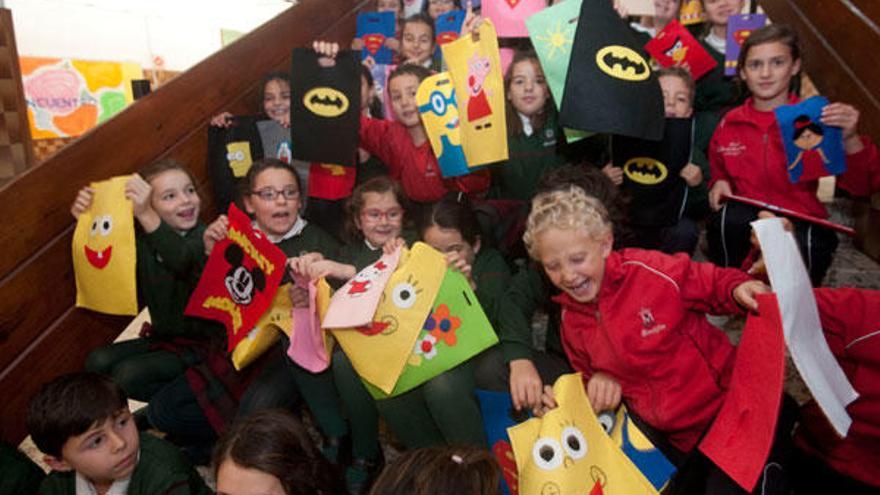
[647, 328]
[746, 150]
[414, 166]
[851, 322]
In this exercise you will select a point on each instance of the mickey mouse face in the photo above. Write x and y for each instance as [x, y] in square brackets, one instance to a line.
[240, 285]
[240, 282]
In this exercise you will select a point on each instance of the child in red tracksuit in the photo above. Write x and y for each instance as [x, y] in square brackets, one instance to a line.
[634, 323]
[829, 463]
[747, 158]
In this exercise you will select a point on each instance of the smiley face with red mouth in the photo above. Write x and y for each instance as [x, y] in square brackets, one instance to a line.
[102, 226]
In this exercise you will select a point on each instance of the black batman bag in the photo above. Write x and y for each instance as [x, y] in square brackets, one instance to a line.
[325, 107]
[651, 173]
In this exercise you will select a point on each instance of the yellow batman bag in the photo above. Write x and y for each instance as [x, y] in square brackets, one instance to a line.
[104, 252]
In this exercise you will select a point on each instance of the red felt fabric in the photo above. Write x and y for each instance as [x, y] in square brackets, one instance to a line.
[741, 436]
[213, 298]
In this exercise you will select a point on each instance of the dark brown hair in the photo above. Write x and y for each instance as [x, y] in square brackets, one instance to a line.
[681, 73]
[420, 72]
[380, 184]
[453, 211]
[149, 172]
[272, 76]
[464, 470]
[68, 406]
[421, 17]
[375, 105]
[514, 124]
[265, 164]
[596, 184]
[455, 3]
[770, 33]
[276, 443]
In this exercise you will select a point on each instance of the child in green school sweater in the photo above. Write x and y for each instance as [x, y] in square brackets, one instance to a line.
[82, 424]
[273, 198]
[170, 259]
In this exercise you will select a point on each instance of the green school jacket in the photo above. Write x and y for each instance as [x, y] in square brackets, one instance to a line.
[311, 239]
[169, 266]
[492, 276]
[698, 197]
[715, 91]
[527, 292]
[529, 158]
[18, 473]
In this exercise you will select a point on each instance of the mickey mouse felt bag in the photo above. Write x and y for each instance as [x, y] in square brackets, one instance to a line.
[239, 280]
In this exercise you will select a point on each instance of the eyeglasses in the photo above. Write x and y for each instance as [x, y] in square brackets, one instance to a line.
[440, 2]
[270, 193]
[393, 215]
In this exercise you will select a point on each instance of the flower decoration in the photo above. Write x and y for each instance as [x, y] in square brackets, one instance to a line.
[442, 326]
[426, 346]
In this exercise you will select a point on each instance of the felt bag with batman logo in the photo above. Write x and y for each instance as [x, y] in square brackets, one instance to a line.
[651, 171]
[325, 105]
[610, 86]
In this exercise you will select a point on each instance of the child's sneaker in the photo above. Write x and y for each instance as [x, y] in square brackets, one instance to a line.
[360, 475]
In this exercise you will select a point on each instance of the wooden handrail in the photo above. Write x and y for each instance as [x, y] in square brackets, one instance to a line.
[41, 333]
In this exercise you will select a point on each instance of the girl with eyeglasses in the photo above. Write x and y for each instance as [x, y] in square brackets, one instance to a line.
[374, 223]
[273, 199]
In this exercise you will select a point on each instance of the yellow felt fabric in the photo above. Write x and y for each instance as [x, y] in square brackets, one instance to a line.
[104, 252]
[567, 452]
[479, 89]
[267, 331]
[439, 111]
[638, 439]
[439, 124]
[380, 350]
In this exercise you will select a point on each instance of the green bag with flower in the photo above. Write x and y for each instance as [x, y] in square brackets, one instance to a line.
[456, 330]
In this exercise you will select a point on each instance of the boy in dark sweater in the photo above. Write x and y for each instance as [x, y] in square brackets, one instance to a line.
[81, 422]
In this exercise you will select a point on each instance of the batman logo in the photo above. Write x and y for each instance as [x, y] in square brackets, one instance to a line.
[645, 170]
[325, 102]
[622, 63]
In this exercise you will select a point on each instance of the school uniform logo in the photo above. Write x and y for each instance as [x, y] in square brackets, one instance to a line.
[733, 148]
[649, 324]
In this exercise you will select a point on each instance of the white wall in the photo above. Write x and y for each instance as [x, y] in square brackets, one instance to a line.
[181, 32]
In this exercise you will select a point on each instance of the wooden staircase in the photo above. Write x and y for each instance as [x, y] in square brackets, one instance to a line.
[42, 334]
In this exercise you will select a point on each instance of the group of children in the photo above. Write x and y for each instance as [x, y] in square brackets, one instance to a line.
[588, 273]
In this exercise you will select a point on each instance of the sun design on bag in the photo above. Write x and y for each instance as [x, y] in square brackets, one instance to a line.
[558, 38]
